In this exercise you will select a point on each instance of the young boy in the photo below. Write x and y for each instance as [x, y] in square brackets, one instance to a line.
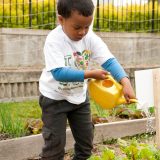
[63, 84]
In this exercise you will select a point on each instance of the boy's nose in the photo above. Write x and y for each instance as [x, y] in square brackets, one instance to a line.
[82, 32]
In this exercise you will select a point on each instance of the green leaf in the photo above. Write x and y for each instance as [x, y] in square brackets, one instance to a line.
[108, 154]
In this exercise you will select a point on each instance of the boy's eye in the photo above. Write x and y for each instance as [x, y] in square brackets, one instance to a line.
[77, 28]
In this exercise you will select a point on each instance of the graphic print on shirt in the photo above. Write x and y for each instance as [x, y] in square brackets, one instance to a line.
[82, 59]
[80, 62]
[68, 60]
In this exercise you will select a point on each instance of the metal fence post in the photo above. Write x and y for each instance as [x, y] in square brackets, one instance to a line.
[30, 13]
[97, 16]
[152, 30]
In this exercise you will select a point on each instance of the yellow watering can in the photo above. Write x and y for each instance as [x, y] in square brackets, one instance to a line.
[107, 93]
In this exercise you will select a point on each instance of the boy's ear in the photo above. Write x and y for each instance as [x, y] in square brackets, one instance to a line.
[60, 19]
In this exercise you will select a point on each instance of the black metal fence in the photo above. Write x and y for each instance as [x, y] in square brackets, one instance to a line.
[110, 15]
[128, 15]
[28, 13]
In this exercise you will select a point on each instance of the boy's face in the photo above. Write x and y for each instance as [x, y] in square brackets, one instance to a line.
[76, 26]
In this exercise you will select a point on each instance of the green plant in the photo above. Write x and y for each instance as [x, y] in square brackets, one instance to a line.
[129, 111]
[107, 154]
[96, 109]
[12, 126]
[130, 149]
[140, 151]
[16, 118]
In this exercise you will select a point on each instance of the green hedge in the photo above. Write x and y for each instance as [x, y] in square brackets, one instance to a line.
[131, 18]
[16, 15]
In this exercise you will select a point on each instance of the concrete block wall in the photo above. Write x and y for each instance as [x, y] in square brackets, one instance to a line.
[19, 85]
[21, 48]
[24, 48]
[134, 50]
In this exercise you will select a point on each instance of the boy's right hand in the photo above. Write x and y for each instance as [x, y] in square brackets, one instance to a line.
[96, 74]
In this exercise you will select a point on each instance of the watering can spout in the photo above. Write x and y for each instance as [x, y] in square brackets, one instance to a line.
[122, 100]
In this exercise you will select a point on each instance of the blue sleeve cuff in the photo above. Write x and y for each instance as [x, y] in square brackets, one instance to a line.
[116, 70]
[66, 74]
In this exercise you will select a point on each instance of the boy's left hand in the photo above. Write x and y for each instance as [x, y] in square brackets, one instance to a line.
[127, 89]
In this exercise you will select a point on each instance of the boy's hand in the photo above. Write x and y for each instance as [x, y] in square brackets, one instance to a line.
[96, 74]
[127, 89]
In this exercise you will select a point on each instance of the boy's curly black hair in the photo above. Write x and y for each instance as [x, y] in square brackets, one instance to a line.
[84, 7]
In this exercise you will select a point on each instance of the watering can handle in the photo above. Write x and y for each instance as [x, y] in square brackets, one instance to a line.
[119, 86]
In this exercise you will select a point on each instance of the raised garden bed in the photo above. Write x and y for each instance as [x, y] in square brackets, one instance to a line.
[30, 146]
[119, 122]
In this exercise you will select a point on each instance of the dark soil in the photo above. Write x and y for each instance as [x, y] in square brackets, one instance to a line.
[4, 136]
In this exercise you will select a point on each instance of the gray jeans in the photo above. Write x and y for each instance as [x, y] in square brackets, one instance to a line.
[54, 116]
